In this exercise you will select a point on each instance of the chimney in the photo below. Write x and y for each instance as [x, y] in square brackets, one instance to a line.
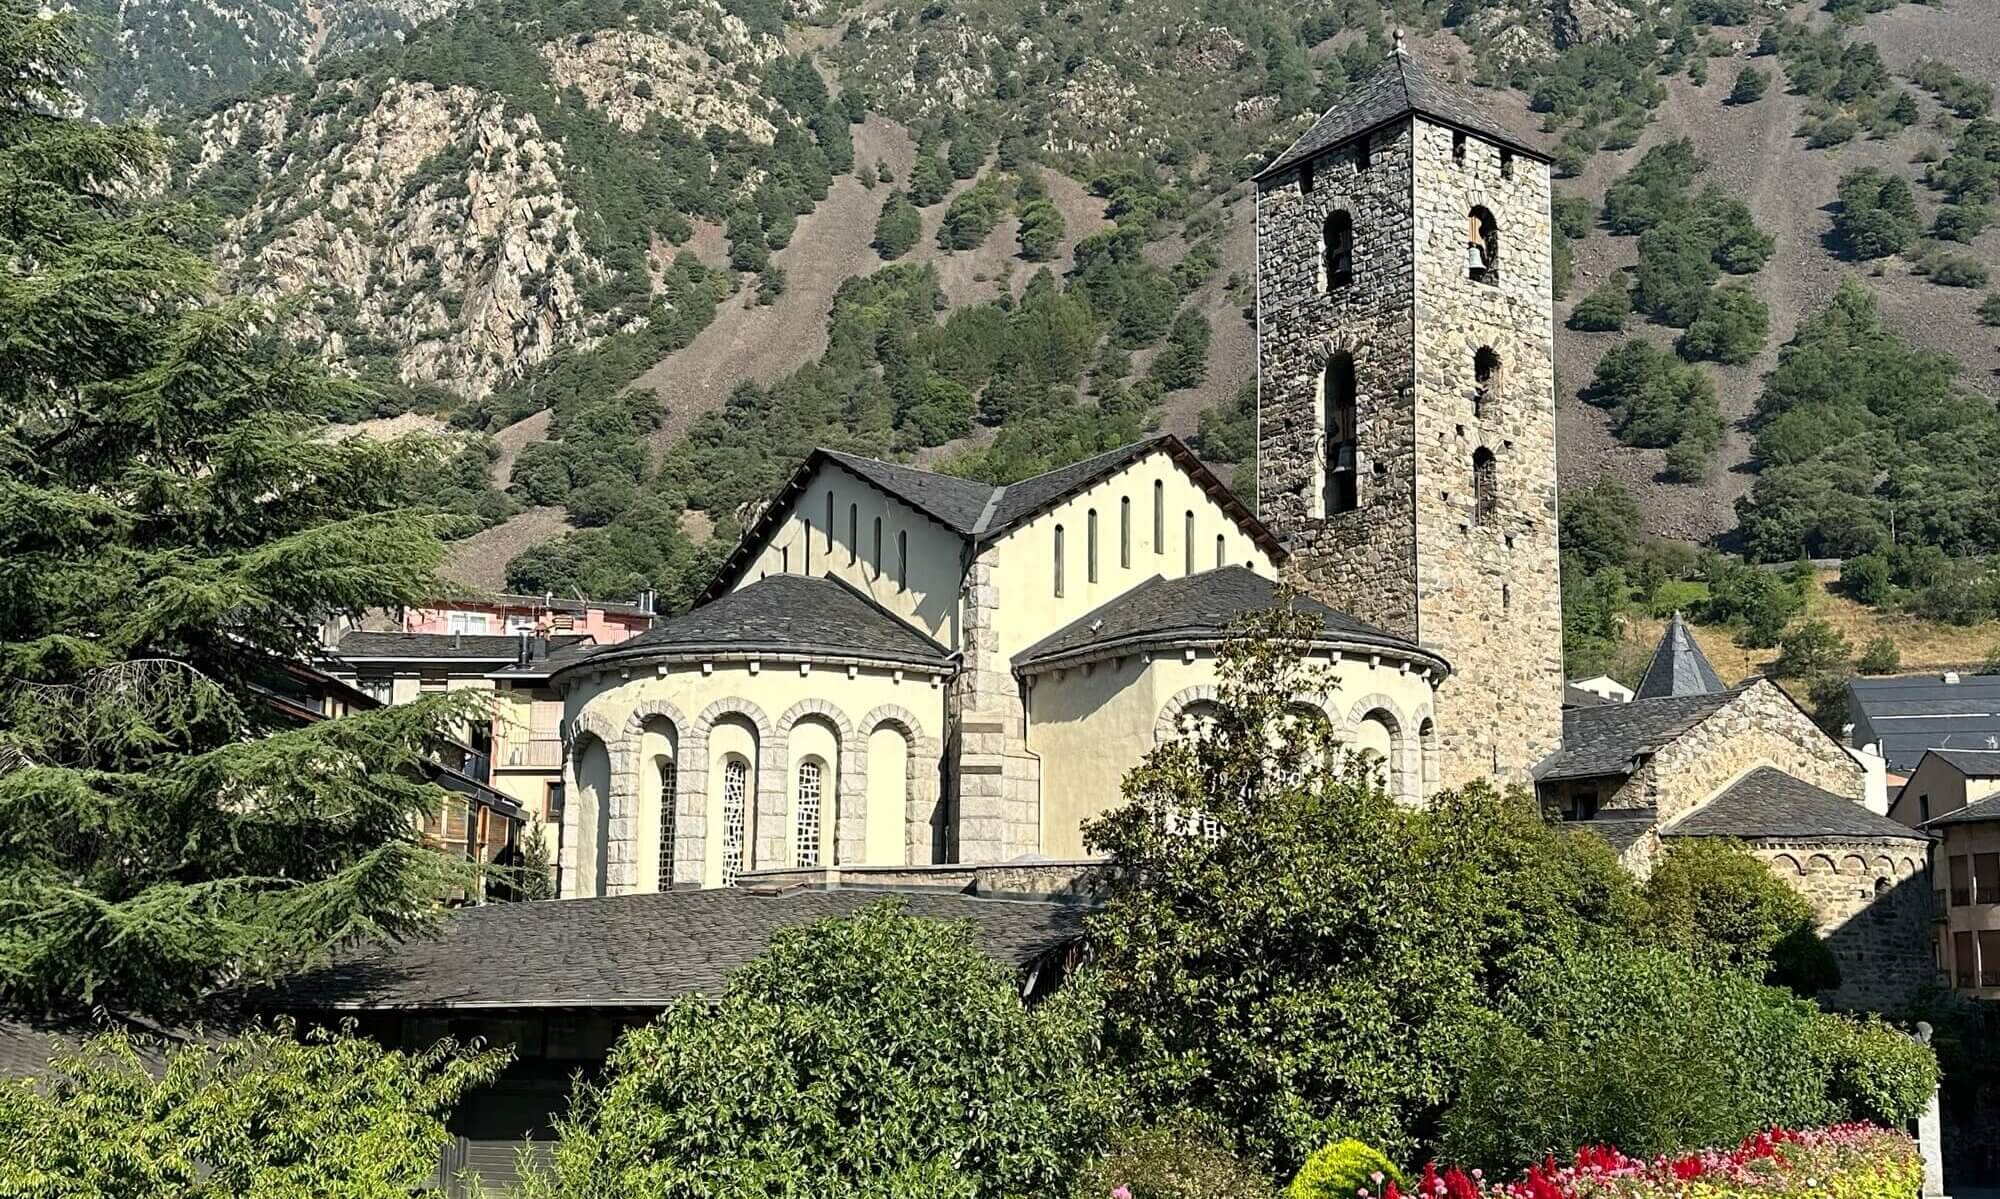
[521, 651]
[647, 599]
[458, 640]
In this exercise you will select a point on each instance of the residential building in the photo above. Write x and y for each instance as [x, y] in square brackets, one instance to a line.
[1902, 716]
[603, 622]
[1954, 794]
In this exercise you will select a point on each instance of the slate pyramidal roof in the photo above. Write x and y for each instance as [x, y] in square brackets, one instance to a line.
[1678, 667]
[1403, 86]
[983, 512]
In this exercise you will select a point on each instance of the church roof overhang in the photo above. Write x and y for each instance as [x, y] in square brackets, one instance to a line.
[1211, 640]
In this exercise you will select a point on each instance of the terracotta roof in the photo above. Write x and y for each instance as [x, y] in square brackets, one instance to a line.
[1769, 804]
[628, 950]
[1678, 666]
[1196, 607]
[1608, 739]
[1402, 86]
[794, 614]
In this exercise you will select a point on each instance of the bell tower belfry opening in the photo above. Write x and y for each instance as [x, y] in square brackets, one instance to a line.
[1406, 397]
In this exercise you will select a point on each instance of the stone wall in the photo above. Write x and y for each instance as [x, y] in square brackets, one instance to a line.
[1414, 556]
[999, 783]
[1873, 906]
[1760, 727]
[1362, 561]
[1489, 597]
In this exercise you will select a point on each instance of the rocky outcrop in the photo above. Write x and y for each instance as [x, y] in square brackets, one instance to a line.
[1590, 22]
[631, 76]
[433, 229]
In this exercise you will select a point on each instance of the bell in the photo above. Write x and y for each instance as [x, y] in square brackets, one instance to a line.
[1475, 257]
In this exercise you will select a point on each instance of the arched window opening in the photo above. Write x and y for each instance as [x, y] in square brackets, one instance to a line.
[1219, 543]
[1090, 546]
[735, 792]
[807, 822]
[829, 523]
[1125, 533]
[1059, 561]
[1343, 491]
[1362, 155]
[1485, 486]
[1485, 381]
[1187, 543]
[1338, 248]
[668, 823]
[1506, 164]
[1458, 146]
[1159, 517]
[1306, 178]
[853, 533]
[902, 559]
[878, 547]
[1482, 246]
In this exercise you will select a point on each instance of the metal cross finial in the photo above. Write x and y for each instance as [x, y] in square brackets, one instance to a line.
[1400, 48]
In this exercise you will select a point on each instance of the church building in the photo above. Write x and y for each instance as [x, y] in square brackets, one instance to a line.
[898, 671]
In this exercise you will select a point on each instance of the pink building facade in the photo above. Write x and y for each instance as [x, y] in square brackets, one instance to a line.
[605, 623]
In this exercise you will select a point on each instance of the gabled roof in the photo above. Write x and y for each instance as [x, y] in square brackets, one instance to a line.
[628, 951]
[1611, 738]
[360, 646]
[982, 512]
[784, 614]
[1621, 828]
[1769, 804]
[1979, 811]
[1972, 763]
[1678, 666]
[1401, 87]
[1908, 714]
[1197, 607]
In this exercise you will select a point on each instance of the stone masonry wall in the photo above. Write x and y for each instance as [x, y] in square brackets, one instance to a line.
[1760, 727]
[1364, 561]
[999, 782]
[1873, 906]
[1489, 597]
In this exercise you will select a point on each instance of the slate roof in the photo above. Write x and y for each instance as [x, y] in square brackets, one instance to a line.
[1401, 86]
[982, 512]
[1904, 715]
[1979, 811]
[1195, 607]
[1576, 697]
[1973, 763]
[473, 647]
[1621, 828]
[794, 614]
[1605, 740]
[1768, 803]
[628, 950]
[1678, 666]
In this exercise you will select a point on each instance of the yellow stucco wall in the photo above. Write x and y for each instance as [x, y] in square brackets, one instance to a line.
[801, 545]
[772, 705]
[1092, 724]
[1025, 574]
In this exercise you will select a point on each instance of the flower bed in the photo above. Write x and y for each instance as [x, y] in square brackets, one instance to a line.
[1846, 1161]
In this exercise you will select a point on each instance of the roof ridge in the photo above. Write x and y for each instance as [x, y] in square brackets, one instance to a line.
[992, 505]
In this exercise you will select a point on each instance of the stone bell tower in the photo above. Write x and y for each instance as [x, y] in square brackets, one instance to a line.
[1406, 399]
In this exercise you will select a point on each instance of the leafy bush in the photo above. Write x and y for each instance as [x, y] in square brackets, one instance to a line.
[1176, 1159]
[1989, 310]
[1344, 1168]
[899, 226]
[1879, 656]
[900, 1026]
[1600, 524]
[1878, 213]
[1812, 648]
[1731, 327]
[1604, 310]
[1646, 1050]
[1719, 905]
[1757, 600]
[1183, 361]
[265, 1113]
[972, 215]
[1866, 578]
[1751, 83]
[1042, 230]
[1953, 270]
[1960, 222]
[1573, 216]
[1657, 400]
[1676, 265]
[1654, 190]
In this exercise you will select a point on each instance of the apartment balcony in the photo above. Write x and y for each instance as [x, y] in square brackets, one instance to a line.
[527, 753]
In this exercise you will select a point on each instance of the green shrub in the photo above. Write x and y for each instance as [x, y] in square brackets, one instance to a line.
[1866, 578]
[1604, 310]
[1600, 524]
[1878, 213]
[1953, 270]
[1573, 216]
[1751, 83]
[1657, 401]
[1654, 190]
[1041, 233]
[1879, 656]
[1989, 310]
[1723, 908]
[1960, 222]
[899, 226]
[1175, 1159]
[898, 1025]
[1731, 327]
[1879, 1073]
[1676, 266]
[1340, 1170]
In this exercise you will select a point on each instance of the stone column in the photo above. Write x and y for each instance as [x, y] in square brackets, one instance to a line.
[999, 784]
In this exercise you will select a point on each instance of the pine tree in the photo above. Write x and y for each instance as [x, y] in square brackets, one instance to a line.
[171, 530]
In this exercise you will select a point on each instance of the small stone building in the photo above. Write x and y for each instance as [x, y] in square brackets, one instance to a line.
[1689, 757]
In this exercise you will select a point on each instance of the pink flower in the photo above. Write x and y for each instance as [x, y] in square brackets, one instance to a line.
[1121, 1192]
